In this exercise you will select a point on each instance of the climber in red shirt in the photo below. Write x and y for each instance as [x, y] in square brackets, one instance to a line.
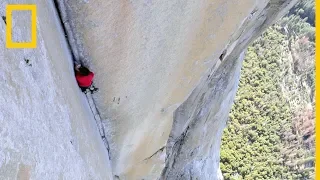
[84, 78]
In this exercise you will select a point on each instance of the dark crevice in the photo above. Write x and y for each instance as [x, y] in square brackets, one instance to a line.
[56, 4]
[174, 152]
[160, 150]
[4, 18]
[59, 6]
[223, 54]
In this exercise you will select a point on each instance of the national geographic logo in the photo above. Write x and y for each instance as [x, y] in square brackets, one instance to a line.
[21, 7]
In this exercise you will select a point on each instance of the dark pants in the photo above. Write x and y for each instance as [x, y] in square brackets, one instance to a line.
[84, 89]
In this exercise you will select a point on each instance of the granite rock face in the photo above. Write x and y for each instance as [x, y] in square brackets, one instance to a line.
[47, 130]
[168, 72]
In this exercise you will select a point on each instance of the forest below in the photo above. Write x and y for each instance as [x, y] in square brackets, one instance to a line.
[270, 133]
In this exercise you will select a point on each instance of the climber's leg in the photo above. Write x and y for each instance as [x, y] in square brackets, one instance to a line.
[84, 89]
[93, 89]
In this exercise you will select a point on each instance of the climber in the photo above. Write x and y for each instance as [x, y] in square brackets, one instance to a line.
[84, 78]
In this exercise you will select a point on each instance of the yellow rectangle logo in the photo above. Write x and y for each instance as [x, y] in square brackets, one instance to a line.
[21, 7]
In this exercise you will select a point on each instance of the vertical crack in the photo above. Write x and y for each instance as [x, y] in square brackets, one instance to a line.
[4, 18]
[59, 5]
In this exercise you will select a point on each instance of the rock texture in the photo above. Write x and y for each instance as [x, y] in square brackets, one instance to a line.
[167, 72]
[158, 66]
[194, 143]
[46, 128]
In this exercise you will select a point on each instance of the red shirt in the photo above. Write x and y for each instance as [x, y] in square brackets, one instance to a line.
[84, 81]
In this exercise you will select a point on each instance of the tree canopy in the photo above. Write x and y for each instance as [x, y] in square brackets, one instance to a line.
[270, 133]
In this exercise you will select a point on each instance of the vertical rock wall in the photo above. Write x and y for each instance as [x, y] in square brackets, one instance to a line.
[157, 64]
[194, 143]
[46, 128]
